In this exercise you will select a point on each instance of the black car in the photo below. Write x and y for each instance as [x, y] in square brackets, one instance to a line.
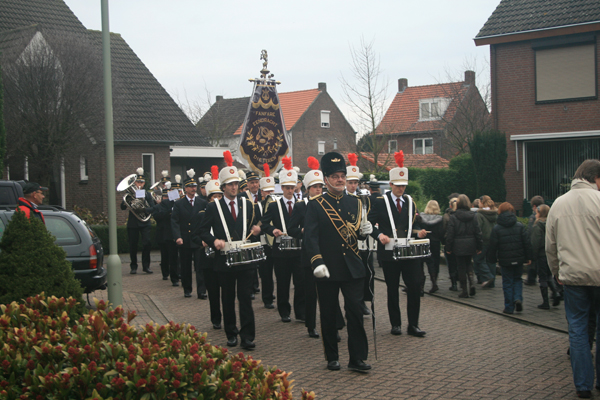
[83, 247]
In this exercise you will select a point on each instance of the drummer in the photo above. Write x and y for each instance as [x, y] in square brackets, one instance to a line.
[275, 222]
[395, 212]
[217, 224]
[265, 269]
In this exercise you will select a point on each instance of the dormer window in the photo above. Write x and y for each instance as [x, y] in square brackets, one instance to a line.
[325, 119]
[432, 109]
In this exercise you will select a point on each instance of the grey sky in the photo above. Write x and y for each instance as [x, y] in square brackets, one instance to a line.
[192, 45]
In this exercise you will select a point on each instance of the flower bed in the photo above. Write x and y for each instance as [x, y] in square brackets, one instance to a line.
[101, 356]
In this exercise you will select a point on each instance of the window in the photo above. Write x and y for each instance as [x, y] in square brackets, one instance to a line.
[565, 73]
[83, 168]
[423, 146]
[432, 109]
[324, 119]
[62, 230]
[321, 148]
[392, 146]
[148, 165]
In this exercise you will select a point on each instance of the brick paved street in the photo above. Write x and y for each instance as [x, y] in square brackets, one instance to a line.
[468, 352]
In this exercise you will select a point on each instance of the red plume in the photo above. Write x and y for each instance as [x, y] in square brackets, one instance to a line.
[353, 158]
[399, 156]
[287, 162]
[267, 169]
[313, 163]
[214, 170]
[228, 158]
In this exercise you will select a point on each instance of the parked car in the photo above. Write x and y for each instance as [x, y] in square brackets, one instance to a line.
[83, 247]
[10, 191]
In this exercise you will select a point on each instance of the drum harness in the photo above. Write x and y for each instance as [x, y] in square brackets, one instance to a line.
[389, 209]
[230, 243]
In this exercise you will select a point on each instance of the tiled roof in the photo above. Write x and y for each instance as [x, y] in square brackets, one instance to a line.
[514, 16]
[403, 114]
[293, 105]
[143, 110]
[387, 161]
[226, 114]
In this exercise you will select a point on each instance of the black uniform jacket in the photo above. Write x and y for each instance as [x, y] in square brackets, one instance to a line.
[132, 221]
[325, 244]
[211, 219]
[161, 213]
[379, 215]
[258, 210]
[297, 221]
[250, 196]
[184, 218]
[271, 220]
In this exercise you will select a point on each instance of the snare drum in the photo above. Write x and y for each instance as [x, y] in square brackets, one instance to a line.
[289, 243]
[247, 253]
[415, 248]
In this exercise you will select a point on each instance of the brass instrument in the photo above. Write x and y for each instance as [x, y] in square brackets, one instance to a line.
[136, 206]
[156, 196]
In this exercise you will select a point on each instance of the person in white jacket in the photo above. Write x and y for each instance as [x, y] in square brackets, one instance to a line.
[572, 246]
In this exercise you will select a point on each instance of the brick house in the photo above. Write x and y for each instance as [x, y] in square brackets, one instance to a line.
[432, 119]
[148, 124]
[312, 120]
[544, 77]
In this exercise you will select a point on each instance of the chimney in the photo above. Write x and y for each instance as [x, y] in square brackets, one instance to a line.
[469, 78]
[402, 84]
[219, 98]
[322, 86]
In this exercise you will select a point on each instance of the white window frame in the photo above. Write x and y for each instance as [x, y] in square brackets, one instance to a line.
[83, 166]
[422, 140]
[442, 106]
[321, 147]
[390, 146]
[325, 122]
[151, 172]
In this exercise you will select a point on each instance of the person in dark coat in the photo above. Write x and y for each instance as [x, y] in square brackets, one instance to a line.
[464, 240]
[221, 219]
[184, 220]
[487, 214]
[450, 258]
[431, 220]
[332, 226]
[538, 251]
[511, 248]
[161, 213]
[535, 202]
[136, 227]
[33, 197]
[265, 269]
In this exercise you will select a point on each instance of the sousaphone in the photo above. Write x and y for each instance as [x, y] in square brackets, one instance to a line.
[136, 206]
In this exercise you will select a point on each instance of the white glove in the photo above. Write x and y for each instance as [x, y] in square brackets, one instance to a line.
[365, 227]
[321, 272]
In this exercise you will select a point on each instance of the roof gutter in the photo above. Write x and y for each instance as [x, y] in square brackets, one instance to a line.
[483, 40]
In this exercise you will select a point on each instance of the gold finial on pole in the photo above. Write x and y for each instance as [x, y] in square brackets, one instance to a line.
[264, 72]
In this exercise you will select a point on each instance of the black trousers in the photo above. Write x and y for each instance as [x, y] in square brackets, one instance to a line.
[369, 287]
[310, 293]
[286, 270]
[433, 262]
[169, 260]
[328, 292]
[452, 266]
[464, 266]
[265, 270]
[213, 287]
[243, 281]
[133, 236]
[411, 274]
[187, 255]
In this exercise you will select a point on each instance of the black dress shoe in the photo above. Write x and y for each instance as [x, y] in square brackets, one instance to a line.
[232, 342]
[217, 326]
[202, 296]
[252, 296]
[133, 271]
[313, 333]
[175, 283]
[415, 331]
[286, 319]
[396, 330]
[165, 278]
[333, 365]
[269, 306]
[256, 290]
[148, 271]
[187, 294]
[248, 344]
[365, 309]
[358, 365]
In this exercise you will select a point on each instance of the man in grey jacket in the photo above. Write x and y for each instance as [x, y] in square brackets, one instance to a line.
[572, 243]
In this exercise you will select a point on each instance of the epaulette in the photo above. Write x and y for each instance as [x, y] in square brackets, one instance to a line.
[314, 197]
[353, 195]
[380, 197]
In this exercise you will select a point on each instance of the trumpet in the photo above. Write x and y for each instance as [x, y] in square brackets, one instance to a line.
[136, 206]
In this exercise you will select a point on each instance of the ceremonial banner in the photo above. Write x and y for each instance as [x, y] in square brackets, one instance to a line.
[264, 139]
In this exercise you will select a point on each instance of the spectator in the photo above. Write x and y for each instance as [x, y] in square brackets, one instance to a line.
[463, 239]
[486, 218]
[476, 205]
[450, 258]
[538, 236]
[510, 246]
[431, 220]
[572, 243]
[33, 197]
[535, 201]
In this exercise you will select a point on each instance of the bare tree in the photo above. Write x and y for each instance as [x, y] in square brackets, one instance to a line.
[365, 92]
[53, 100]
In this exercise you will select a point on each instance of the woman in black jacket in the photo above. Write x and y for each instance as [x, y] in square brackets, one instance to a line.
[538, 252]
[432, 221]
[511, 248]
[464, 240]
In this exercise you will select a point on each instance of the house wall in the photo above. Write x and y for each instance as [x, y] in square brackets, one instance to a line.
[307, 132]
[405, 142]
[515, 111]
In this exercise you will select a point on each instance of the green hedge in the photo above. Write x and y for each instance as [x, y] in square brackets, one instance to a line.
[122, 239]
